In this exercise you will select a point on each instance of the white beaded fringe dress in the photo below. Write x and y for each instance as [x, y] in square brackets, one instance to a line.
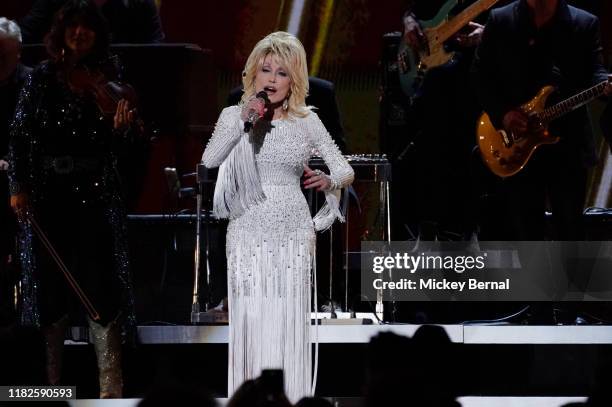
[271, 241]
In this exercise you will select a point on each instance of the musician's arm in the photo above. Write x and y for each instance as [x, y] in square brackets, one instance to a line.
[413, 34]
[598, 75]
[22, 133]
[606, 124]
[484, 69]
[599, 72]
[412, 30]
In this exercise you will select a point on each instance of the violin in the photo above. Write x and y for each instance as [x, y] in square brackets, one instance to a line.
[106, 93]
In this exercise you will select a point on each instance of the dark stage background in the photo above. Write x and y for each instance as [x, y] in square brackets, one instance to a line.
[187, 86]
[342, 39]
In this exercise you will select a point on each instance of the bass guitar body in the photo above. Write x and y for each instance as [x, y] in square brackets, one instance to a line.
[414, 64]
[504, 153]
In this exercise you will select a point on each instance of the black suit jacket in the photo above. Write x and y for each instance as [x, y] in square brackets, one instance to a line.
[130, 21]
[514, 60]
[321, 95]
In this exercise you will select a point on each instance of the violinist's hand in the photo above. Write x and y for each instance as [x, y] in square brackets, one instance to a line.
[316, 179]
[124, 116]
[4, 165]
[20, 203]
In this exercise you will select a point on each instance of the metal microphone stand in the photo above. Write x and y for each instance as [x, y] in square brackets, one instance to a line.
[207, 315]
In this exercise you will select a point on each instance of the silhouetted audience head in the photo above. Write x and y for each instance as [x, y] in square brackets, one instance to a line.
[388, 361]
[265, 391]
[411, 372]
[176, 394]
[313, 402]
[22, 356]
[434, 361]
[601, 394]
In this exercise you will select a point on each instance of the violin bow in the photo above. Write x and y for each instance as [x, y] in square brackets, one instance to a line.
[91, 310]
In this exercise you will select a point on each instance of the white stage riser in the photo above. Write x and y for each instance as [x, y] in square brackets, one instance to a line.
[467, 334]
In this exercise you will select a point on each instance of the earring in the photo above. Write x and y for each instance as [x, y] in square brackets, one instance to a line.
[286, 104]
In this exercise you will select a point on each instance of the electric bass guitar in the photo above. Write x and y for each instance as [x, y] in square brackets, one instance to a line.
[412, 64]
[506, 153]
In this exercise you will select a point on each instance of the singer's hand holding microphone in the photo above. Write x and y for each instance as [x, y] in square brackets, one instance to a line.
[254, 110]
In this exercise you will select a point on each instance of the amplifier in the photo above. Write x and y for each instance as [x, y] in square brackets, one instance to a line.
[367, 167]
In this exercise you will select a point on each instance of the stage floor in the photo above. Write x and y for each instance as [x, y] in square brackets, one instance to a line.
[502, 365]
[466, 334]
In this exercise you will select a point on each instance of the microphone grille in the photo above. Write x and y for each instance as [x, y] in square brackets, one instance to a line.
[262, 94]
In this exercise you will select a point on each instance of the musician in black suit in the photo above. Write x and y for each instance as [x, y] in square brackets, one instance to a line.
[322, 95]
[526, 45]
[440, 119]
[440, 169]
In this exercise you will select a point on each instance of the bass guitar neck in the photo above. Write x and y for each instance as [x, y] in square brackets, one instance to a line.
[413, 64]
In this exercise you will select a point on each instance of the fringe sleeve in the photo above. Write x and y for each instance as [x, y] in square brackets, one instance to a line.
[341, 173]
[238, 184]
[227, 134]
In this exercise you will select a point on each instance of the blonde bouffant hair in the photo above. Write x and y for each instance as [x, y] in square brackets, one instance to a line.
[289, 53]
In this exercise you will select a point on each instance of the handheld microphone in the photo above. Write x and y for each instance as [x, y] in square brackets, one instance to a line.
[253, 115]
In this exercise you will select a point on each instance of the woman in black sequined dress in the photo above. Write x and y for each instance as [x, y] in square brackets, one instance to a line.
[63, 171]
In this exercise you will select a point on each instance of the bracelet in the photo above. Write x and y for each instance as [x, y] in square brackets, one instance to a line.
[332, 184]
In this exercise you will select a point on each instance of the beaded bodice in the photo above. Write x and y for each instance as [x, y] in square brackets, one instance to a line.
[282, 148]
